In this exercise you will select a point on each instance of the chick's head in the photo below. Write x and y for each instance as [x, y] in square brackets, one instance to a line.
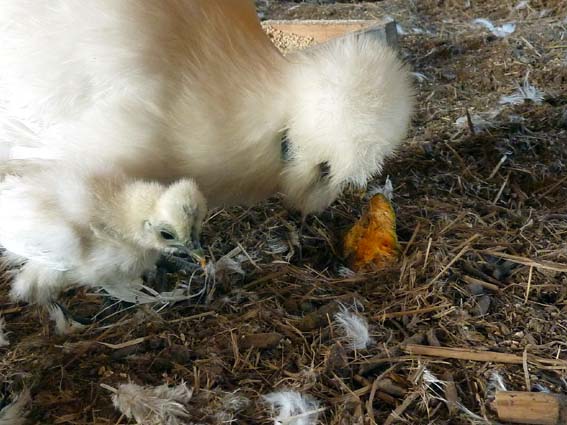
[349, 106]
[176, 222]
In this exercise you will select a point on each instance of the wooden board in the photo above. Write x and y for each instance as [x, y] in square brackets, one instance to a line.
[530, 408]
[324, 30]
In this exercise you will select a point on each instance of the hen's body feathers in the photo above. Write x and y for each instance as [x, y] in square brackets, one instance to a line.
[177, 88]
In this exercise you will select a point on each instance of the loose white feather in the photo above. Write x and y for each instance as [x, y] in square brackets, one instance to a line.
[64, 325]
[387, 189]
[346, 272]
[228, 264]
[231, 404]
[16, 412]
[433, 388]
[495, 383]
[525, 92]
[354, 328]
[293, 408]
[162, 405]
[481, 122]
[498, 31]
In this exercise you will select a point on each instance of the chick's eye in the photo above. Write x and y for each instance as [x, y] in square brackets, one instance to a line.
[166, 235]
[324, 170]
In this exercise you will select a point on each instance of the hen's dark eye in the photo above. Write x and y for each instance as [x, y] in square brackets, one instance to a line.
[166, 235]
[324, 170]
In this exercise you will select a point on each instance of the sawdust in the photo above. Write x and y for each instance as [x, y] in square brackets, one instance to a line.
[287, 42]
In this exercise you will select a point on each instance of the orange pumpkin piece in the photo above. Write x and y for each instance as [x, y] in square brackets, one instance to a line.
[372, 242]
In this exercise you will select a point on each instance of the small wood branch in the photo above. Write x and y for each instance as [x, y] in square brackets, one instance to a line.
[478, 355]
[531, 408]
[415, 312]
[538, 264]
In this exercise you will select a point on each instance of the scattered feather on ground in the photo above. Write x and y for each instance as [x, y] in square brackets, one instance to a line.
[498, 31]
[526, 92]
[387, 189]
[162, 405]
[231, 404]
[293, 408]
[16, 412]
[433, 387]
[63, 325]
[495, 384]
[354, 328]
[481, 122]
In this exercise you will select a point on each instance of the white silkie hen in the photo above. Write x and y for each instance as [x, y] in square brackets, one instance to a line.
[173, 88]
[68, 226]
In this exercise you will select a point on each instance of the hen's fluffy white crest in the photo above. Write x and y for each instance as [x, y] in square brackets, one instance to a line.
[195, 88]
[70, 226]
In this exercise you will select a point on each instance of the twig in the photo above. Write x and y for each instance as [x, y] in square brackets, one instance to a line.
[195, 316]
[499, 194]
[470, 122]
[472, 281]
[477, 355]
[448, 266]
[427, 253]
[411, 312]
[529, 286]
[538, 264]
[124, 344]
[526, 369]
[412, 240]
[396, 414]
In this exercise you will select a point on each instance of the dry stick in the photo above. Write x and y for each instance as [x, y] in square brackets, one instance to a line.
[470, 122]
[529, 287]
[412, 240]
[396, 414]
[477, 355]
[473, 281]
[411, 312]
[13, 310]
[195, 316]
[427, 253]
[526, 369]
[374, 389]
[499, 194]
[500, 163]
[126, 344]
[552, 188]
[531, 408]
[453, 261]
[541, 264]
